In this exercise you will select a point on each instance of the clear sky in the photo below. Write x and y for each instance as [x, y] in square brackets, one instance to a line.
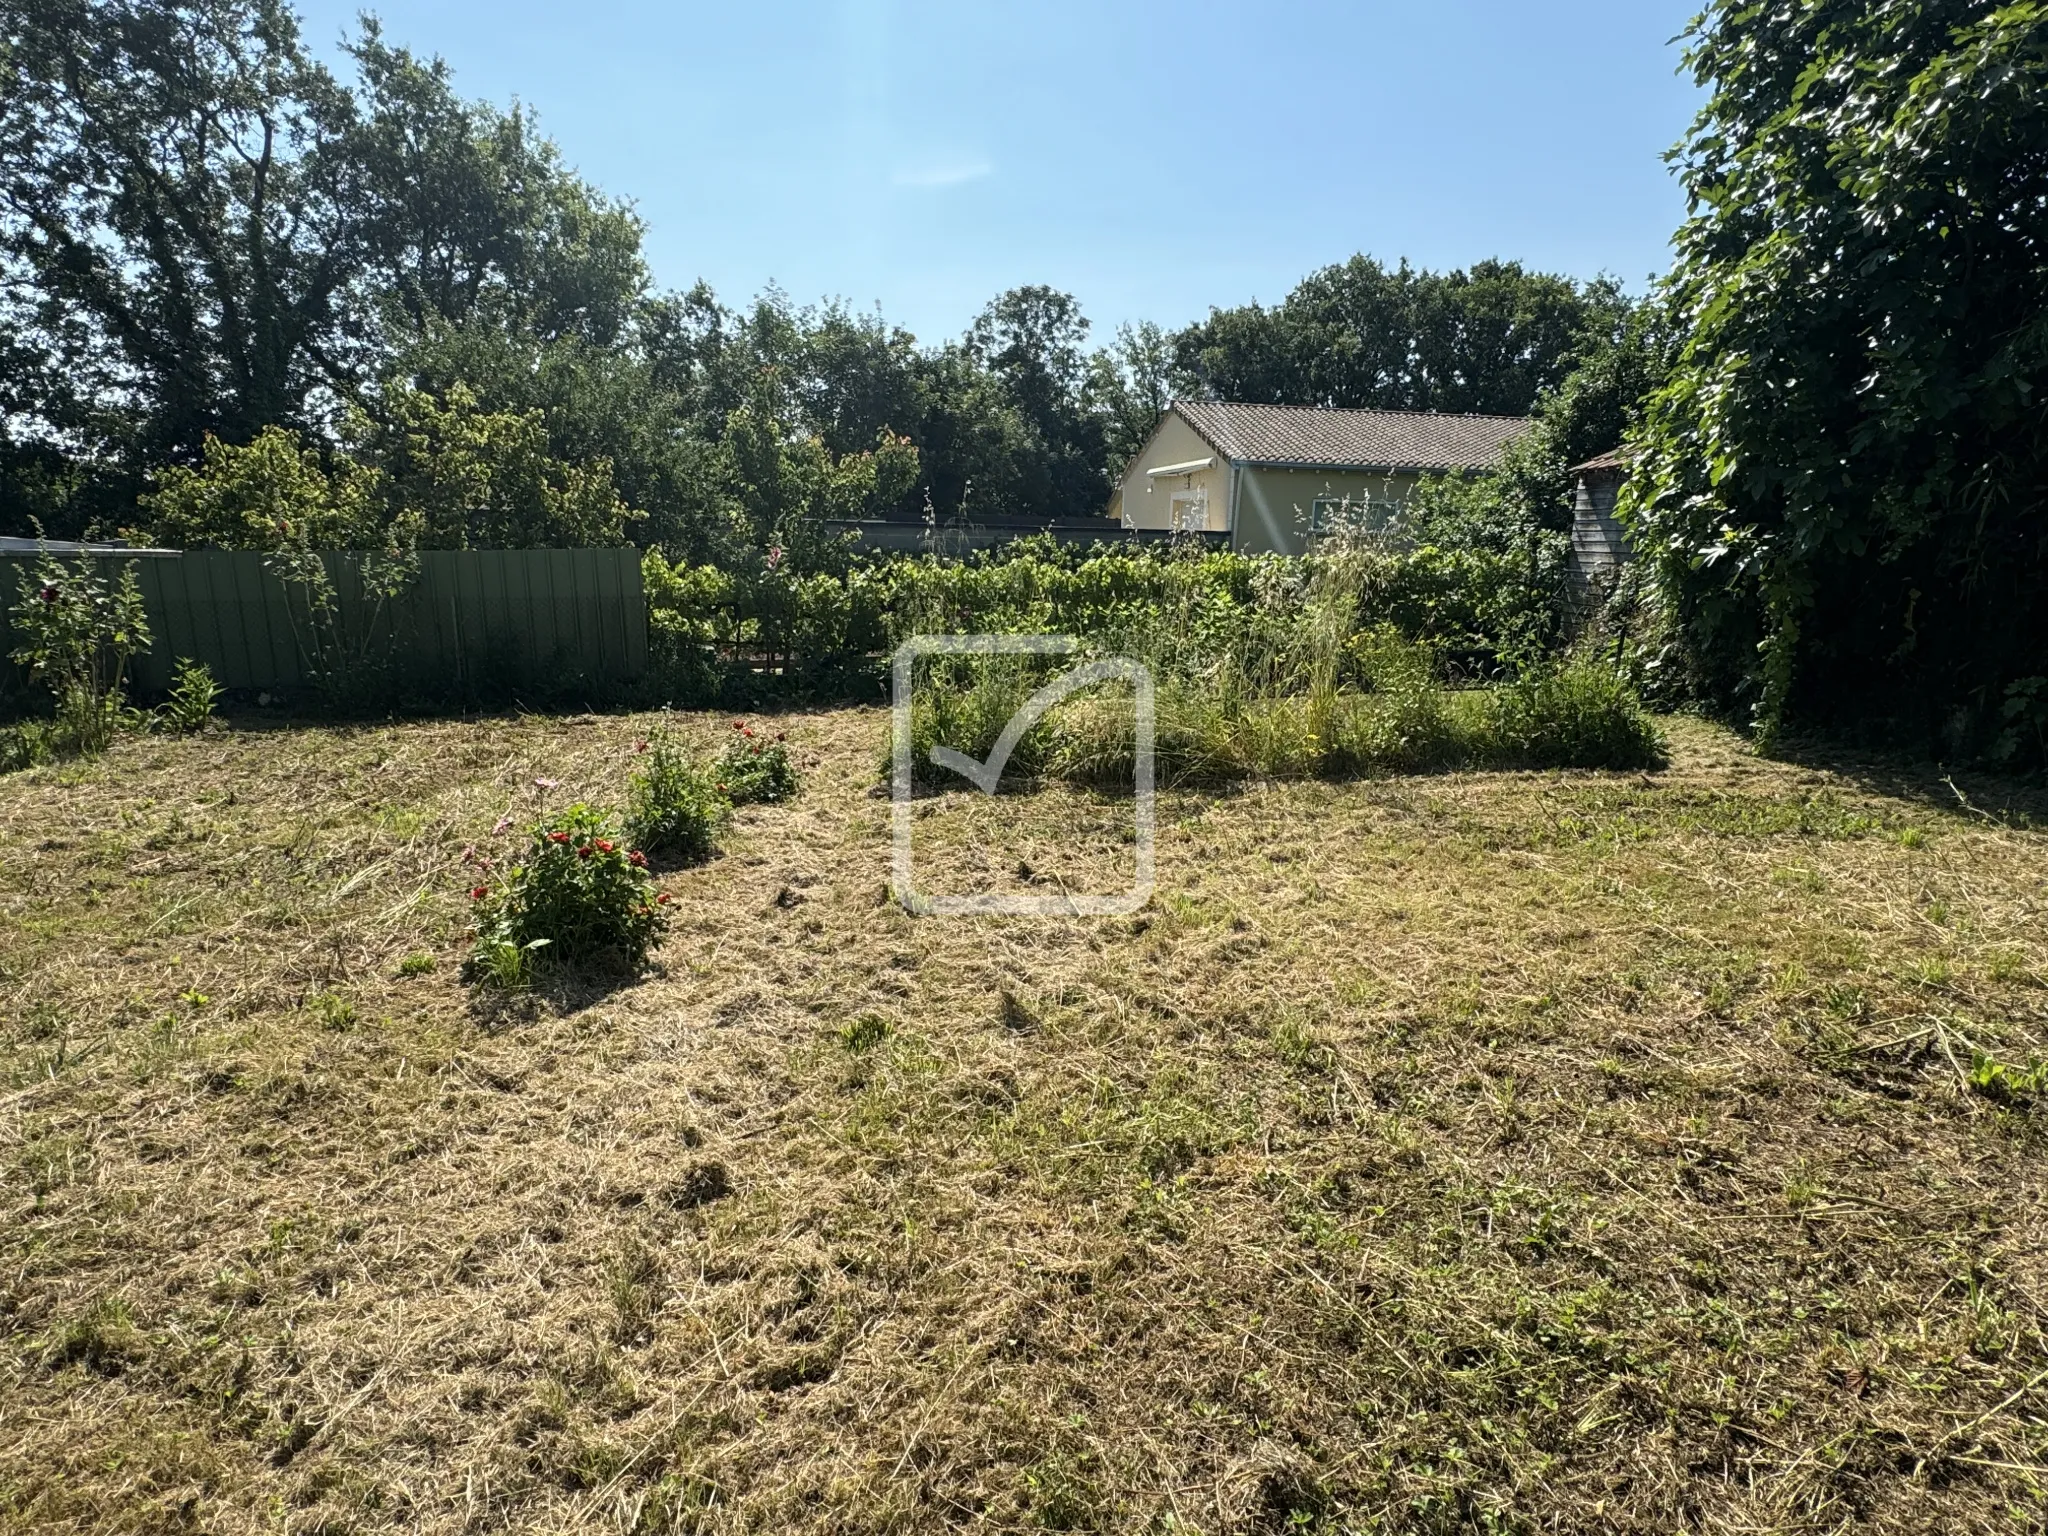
[1152, 158]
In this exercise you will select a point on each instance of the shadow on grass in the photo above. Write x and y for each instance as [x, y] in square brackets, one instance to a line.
[1970, 792]
[558, 991]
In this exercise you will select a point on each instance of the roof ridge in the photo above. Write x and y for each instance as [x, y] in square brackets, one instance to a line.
[1352, 410]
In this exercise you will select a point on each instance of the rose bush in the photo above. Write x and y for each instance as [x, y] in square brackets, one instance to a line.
[578, 896]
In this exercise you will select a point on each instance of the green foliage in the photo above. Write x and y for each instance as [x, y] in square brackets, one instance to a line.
[577, 897]
[1490, 340]
[193, 696]
[1484, 597]
[301, 221]
[423, 473]
[76, 635]
[2003, 1083]
[674, 807]
[1578, 714]
[753, 770]
[1843, 480]
[458, 476]
[270, 492]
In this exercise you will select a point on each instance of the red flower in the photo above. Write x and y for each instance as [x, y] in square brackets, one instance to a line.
[583, 852]
[558, 837]
[748, 731]
[721, 789]
[662, 899]
[479, 893]
[641, 748]
[637, 859]
[739, 725]
[49, 594]
[604, 845]
[782, 736]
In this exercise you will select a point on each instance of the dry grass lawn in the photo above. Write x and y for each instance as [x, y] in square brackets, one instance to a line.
[1515, 1152]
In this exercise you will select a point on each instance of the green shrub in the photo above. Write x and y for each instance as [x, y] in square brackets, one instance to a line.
[77, 635]
[25, 746]
[673, 806]
[1577, 715]
[193, 696]
[578, 897]
[753, 770]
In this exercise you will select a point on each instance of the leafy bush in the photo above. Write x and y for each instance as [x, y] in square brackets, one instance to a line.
[1843, 483]
[77, 635]
[673, 806]
[193, 695]
[752, 770]
[1578, 715]
[578, 897]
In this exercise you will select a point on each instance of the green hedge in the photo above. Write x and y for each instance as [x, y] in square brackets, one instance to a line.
[720, 634]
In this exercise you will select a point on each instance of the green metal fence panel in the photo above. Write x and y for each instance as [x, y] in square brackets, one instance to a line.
[470, 623]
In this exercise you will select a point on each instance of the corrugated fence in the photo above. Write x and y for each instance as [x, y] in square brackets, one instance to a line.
[473, 622]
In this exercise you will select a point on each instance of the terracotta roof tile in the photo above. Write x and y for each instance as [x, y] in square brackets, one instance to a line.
[1284, 434]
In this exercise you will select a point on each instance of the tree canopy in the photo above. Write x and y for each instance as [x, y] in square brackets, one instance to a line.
[1490, 340]
[228, 274]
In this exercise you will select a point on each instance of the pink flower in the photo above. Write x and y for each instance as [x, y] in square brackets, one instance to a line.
[604, 845]
[637, 859]
[661, 900]
[544, 785]
[504, 825]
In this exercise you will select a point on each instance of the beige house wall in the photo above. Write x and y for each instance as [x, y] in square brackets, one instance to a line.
[1273, 505]
[1147, 500]
[1266, 510]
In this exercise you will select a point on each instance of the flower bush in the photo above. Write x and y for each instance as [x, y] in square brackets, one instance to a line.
[673, 806]
[754, 769]
[579, 896]
[77, 634]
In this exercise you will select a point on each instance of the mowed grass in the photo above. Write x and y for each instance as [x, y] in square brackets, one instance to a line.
[1511, 1152]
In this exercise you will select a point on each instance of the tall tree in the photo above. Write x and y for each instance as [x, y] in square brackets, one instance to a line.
[1845, 478]
[1490, 340]
[203, 232]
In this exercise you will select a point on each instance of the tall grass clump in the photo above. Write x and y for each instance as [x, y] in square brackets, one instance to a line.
[1579, 713]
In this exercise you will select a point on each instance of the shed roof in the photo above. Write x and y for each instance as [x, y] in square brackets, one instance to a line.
[1331, 439]
[1612, 462]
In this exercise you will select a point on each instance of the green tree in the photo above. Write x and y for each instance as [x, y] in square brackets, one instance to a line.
[203, 233]
[1843, 480]
[1488, 340]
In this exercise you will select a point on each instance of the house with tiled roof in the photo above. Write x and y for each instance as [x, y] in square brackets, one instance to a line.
[1275, 477]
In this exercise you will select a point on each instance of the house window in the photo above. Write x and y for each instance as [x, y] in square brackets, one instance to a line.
[1189, 511]
[1375, 515]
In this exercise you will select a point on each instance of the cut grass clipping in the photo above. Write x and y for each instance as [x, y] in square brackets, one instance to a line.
[1546, 1151]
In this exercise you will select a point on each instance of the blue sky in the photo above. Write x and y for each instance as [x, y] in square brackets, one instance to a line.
[1154, 159]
